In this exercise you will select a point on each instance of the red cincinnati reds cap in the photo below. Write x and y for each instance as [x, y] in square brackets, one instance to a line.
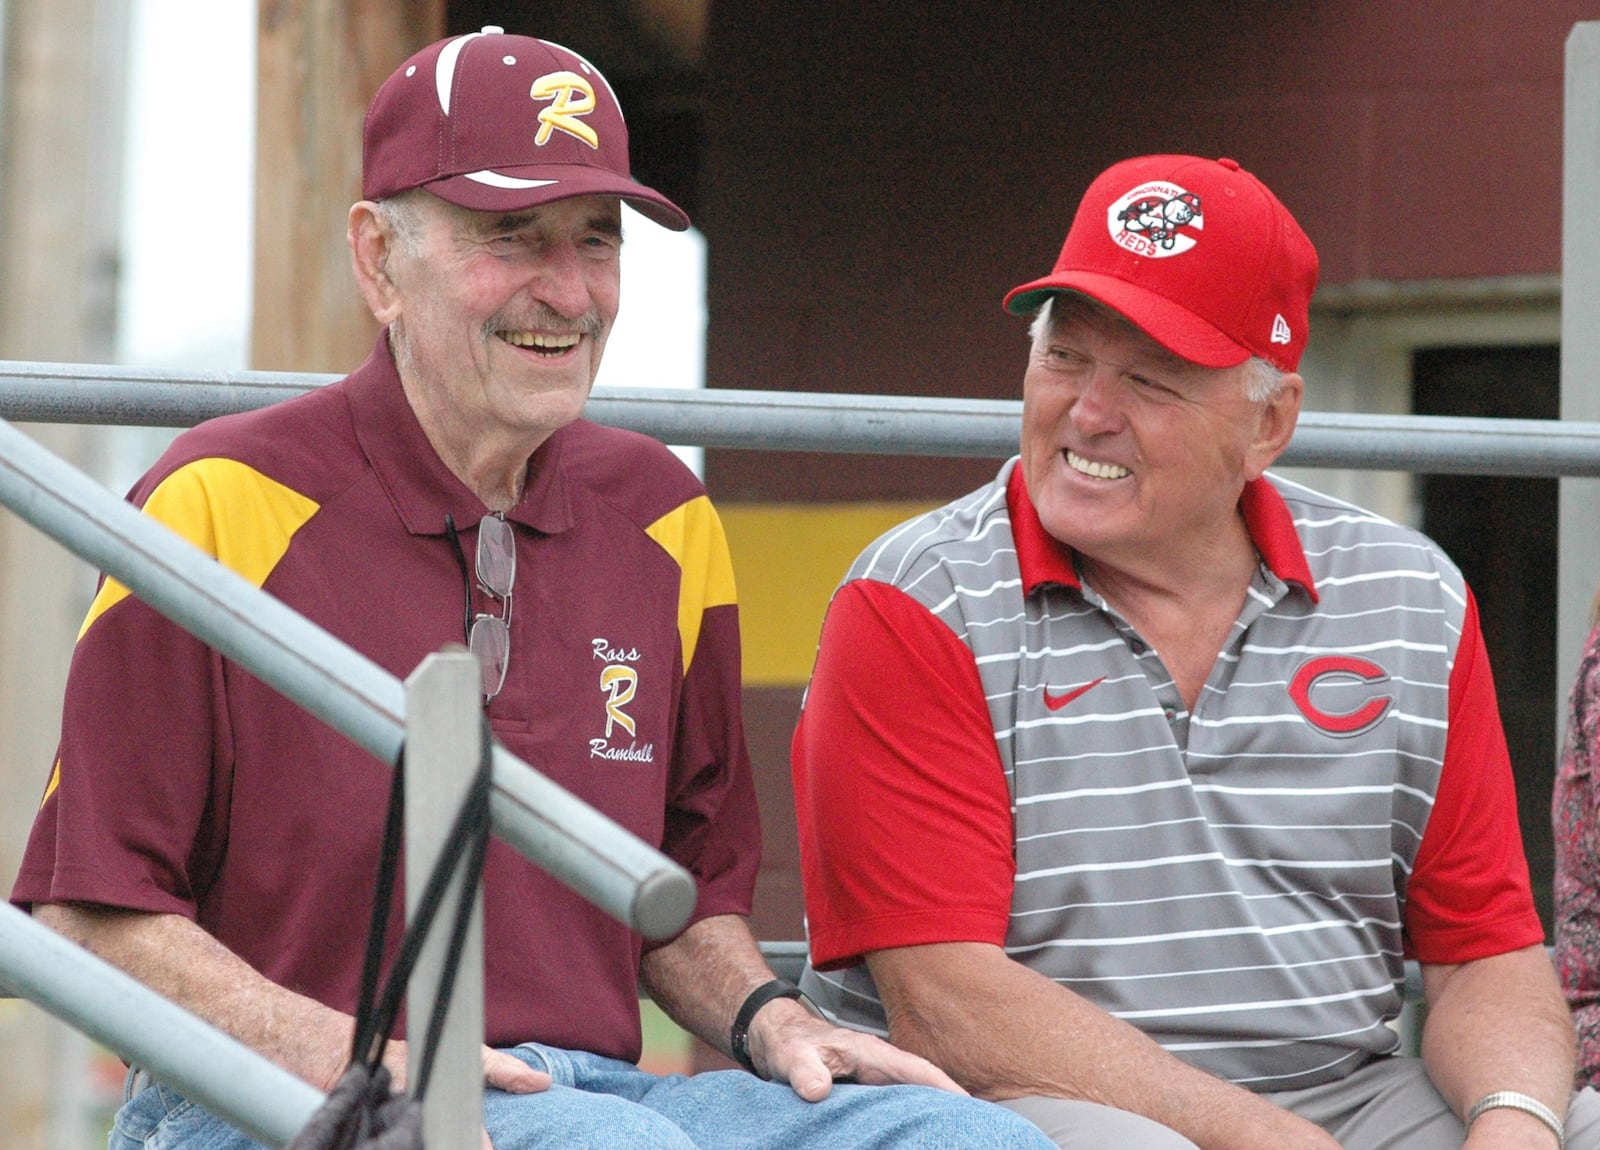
[1198, 254]
[502, 123]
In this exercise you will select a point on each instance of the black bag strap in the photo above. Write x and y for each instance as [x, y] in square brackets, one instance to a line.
[464, 850]
[361, 1113]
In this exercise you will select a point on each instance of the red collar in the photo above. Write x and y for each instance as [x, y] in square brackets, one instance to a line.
[1044, 559]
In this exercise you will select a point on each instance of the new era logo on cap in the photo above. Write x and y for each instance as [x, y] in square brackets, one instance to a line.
[502, 123]
[1198, 254]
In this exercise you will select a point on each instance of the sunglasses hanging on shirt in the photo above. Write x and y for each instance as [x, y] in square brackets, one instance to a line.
[489, 636]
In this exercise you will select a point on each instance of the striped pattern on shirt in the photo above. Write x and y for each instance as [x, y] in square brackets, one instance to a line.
[1230, 881]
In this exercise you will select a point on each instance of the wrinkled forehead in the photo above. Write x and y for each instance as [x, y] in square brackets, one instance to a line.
[1075, 312]
[598, 213]
[1075, 316]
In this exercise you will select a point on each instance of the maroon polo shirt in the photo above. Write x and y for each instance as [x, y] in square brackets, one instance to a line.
[185, 785]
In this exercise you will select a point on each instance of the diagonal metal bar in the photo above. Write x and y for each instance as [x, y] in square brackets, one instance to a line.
[571, 840]
[199, 1061]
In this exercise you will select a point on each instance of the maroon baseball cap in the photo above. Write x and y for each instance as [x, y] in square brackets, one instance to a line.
[502, 123]
[1198, 254]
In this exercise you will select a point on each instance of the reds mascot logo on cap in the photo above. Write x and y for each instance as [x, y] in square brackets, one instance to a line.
[1244, 288]
[1156, 219]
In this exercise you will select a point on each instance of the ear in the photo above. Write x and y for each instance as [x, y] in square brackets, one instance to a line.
[371, 250]
[1275, 425]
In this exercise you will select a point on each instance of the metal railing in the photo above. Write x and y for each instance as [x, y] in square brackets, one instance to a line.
[584, 849]
[554, 829]
[572, 841]
[818, 421]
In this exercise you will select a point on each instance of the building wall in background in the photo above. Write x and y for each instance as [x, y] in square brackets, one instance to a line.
[874, 179]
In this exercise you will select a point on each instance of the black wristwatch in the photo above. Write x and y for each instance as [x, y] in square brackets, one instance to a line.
[739, 1036]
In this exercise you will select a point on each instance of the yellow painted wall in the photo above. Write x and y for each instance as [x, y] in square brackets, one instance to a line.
[787, 560]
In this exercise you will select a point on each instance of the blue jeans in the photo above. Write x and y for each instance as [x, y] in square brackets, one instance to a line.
[599, 1103]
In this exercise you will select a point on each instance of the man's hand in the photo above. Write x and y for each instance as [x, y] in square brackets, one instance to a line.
[501, 1071]
[504, 1072]
[790, 1044]
[701, 978]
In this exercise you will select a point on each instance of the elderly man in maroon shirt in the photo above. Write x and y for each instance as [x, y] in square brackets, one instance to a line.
[203, 833]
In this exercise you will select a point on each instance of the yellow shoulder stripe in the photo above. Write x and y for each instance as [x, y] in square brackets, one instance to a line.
[692, 534]
[228, 510]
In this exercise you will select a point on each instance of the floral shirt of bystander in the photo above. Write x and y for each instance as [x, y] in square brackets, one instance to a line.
[1576, 816]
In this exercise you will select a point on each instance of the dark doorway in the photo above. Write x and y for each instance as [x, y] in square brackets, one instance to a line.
[1502, 531]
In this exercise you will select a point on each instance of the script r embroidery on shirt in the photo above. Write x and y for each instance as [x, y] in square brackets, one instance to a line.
[1056, 702]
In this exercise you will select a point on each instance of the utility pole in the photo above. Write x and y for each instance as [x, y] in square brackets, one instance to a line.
[62, 94]
[1579, 556]
[318, 62]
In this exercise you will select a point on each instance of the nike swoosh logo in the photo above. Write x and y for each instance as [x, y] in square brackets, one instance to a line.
[1056, 702]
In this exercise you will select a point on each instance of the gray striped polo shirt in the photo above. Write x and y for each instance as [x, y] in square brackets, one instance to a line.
[1231, 881]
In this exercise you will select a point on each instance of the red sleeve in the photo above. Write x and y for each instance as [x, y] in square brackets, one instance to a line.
[904, 812]
[1469, 894]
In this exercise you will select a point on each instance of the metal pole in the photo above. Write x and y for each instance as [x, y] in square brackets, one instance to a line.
[823, 422]
[139, 396]
[571, 840]
[202, 1063]
[444, 728]
[1578, 565]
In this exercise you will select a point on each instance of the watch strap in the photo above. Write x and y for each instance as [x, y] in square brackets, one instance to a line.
[739, 1036]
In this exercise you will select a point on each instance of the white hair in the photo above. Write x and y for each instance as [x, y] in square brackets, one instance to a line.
[401, 216]
[1041, 320]
[1263, 380]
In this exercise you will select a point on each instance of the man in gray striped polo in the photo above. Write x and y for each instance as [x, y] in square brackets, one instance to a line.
[1128, 782]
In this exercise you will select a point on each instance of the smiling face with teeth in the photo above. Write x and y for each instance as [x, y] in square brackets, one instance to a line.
[497, 321]
[1132, 456]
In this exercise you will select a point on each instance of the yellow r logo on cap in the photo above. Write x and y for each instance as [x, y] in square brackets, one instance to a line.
[572, 96]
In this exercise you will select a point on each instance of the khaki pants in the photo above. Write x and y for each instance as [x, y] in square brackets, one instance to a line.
[1388, 1104]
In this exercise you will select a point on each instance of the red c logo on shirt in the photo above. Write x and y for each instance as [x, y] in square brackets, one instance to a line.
[1353, 722]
